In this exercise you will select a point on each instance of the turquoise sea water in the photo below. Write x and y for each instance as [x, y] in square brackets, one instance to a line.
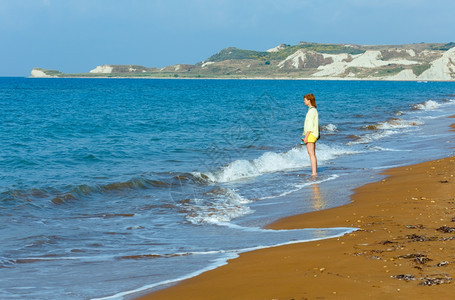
[111, 187]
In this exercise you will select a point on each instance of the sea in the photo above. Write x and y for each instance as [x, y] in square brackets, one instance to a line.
[111, 188]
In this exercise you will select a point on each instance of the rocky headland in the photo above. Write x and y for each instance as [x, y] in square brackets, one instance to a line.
[418, 62]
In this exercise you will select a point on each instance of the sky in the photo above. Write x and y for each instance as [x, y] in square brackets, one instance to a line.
[75, 36]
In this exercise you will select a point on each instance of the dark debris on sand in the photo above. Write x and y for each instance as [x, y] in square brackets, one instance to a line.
[446, 229]
[422, 260]
[416, 257]
[412, 255]
[418, 226]
[406, 277]
[427, 280]
[436, 280]
[420, 238]
[387, 242]
[442, 264]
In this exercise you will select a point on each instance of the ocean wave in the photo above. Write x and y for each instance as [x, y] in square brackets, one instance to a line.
[393, 123]
[221, 205]
[384, 129]
[271, 162]
[427, 105]
[194, 177]
[85, 190]
[135, 183]
[7, 262]
[368, 138]
[75, 193]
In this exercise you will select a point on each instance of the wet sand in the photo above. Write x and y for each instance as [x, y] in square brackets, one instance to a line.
[404, 248]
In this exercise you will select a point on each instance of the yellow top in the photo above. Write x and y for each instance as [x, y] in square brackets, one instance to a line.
[312, 122]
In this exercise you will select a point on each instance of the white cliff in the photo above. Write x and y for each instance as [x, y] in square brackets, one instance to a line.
[407, 74]
[370, 59]
[38, 73]
[277, 48]
[104, 69]
[442, 68]
[295, 60]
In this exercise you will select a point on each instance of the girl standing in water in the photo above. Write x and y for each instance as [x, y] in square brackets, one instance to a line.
[311, 130]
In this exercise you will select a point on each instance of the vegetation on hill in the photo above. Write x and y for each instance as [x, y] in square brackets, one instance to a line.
[235, 53]
[444, 47]
[128, 68]
[50, 72]
[281, 62]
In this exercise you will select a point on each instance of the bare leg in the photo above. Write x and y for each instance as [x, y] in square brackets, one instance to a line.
[311, 148]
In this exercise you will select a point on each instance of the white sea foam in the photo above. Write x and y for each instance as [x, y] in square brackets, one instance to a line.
[398, 123]
[427, 105]
[330, 128]
[377, 148]
[368, 138]
[385, 129]
[270, 162]
[227, 205]
[388, 167]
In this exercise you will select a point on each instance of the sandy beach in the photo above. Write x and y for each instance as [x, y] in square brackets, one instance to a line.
[404, 248]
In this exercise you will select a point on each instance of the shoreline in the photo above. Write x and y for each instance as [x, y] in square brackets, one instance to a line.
[402, 248]
[246, 78]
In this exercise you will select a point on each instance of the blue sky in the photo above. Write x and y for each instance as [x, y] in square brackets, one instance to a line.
[77, 35]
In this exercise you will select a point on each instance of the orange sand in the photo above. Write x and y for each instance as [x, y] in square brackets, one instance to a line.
[398, 217]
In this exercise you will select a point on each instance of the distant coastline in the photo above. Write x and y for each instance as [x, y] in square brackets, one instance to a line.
[243, 78]
[305, 61]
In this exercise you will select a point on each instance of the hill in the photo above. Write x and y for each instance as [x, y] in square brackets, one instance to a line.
[424, 61]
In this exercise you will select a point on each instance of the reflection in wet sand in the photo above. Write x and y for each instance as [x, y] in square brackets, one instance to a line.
[317, 200]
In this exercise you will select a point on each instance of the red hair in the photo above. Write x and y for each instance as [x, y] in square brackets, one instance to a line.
[311, 98]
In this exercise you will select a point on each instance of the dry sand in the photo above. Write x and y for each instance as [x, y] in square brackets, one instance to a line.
[405, 248]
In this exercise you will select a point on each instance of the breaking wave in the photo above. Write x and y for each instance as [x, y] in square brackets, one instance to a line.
[384, 129]
[221, 204]
[394, 123]
[368, 138]
[427, 105]
[270, 162]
